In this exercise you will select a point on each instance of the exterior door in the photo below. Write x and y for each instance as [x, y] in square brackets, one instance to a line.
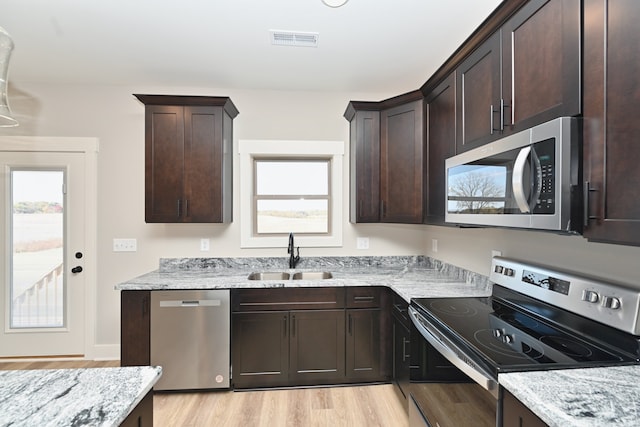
[43, 291]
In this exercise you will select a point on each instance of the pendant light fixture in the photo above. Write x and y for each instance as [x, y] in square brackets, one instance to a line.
[6, 46]
[335, 3]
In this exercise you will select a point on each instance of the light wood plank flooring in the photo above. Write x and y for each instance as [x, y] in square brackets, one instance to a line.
[353, 406]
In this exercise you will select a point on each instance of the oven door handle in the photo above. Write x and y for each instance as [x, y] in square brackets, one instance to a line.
[453, 354]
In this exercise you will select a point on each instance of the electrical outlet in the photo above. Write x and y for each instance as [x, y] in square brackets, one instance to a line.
[495, 253]
[434, 245]
[125, 245]
[362, 243]
[204, 245]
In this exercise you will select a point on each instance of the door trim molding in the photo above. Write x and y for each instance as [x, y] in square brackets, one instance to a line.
[89, 146]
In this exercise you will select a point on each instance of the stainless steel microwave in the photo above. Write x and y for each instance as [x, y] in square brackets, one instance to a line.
[530, 180]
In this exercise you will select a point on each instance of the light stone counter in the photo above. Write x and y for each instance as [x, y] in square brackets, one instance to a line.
[409, 276]
[590, 397]
[73, 397]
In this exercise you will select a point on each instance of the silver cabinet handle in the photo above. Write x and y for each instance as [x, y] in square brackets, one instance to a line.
[491, 118]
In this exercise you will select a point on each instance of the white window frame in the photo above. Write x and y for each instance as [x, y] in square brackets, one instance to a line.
[250, 149]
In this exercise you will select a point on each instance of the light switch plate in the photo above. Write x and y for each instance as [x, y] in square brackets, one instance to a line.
[125, 245]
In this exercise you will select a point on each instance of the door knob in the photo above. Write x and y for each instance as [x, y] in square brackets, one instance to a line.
[76, 269]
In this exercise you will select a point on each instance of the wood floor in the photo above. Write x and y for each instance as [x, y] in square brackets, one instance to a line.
[353, 406]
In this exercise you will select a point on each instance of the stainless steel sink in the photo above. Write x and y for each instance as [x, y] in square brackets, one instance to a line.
[269, 275]
[281, 275]
[312, 275]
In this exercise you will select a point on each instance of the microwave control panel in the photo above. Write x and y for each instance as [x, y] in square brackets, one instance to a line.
[545, 176]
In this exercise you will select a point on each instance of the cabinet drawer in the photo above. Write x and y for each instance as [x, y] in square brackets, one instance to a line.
[287, 299]
[364, 297]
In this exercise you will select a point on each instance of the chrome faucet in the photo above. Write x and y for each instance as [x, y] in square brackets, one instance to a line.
[293, 260]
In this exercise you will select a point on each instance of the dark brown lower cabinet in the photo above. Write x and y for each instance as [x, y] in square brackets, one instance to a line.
[135, 323]
[260, 348]
[280, 348]
[515, 413]
[142, 414]
[401, 346]
[363, 344]
[309, 336]
[316, 347]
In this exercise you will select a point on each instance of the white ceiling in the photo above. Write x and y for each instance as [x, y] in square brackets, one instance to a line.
[364, 46]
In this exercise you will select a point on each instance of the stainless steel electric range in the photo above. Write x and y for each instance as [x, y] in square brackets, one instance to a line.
[537, 318]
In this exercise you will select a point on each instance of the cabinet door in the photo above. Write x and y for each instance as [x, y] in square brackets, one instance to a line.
[514, 413]
[611, 125]
[363, 344]
[317, 347]
[364, 205]
[441, 140]
[541, 63]
[479, 96]
[142, 414]
[260, 349]
[401, 359]
[402, 163]
[135, 324]
[164, 163]
[204, 160]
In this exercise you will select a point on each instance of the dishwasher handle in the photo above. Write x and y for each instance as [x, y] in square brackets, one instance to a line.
[191, 303]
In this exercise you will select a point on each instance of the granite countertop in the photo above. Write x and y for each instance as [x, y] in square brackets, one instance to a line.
[409, 276]
[73, 397]
[589, 397]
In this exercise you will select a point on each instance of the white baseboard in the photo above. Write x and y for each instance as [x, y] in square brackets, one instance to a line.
[104, 352]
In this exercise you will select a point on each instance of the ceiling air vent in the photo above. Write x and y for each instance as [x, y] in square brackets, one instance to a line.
[294, 38]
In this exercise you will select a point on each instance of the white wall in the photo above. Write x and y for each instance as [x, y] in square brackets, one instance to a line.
[114, 116]
[471, 249]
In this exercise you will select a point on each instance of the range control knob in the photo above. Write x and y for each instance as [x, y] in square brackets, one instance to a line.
[590, 296]
[611, 302]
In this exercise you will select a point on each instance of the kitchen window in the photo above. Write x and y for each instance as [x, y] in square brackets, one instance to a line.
[291, 187]
[291, 196]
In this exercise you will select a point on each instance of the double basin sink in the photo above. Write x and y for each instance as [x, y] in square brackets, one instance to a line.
[301, 275]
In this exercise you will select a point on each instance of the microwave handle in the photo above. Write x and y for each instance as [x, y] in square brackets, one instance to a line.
[517, 180]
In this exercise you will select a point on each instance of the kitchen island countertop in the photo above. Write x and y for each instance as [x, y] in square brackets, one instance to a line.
[73, 397]
[588, 397]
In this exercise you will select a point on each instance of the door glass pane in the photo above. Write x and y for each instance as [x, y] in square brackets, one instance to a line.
[37, 249]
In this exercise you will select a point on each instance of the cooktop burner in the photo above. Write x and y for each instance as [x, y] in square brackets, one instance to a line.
[568, 346]
[453, 308]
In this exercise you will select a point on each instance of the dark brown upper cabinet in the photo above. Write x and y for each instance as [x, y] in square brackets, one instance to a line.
[611, 125]
[525, 73]
[188, 158]
[387, 159]
[364, 158]
[440, 113]
[402, 163]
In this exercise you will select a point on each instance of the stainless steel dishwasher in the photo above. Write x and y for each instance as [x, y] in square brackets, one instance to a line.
[190, 338]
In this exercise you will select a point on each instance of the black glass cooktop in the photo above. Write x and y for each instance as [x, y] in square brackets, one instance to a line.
[520, 333]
